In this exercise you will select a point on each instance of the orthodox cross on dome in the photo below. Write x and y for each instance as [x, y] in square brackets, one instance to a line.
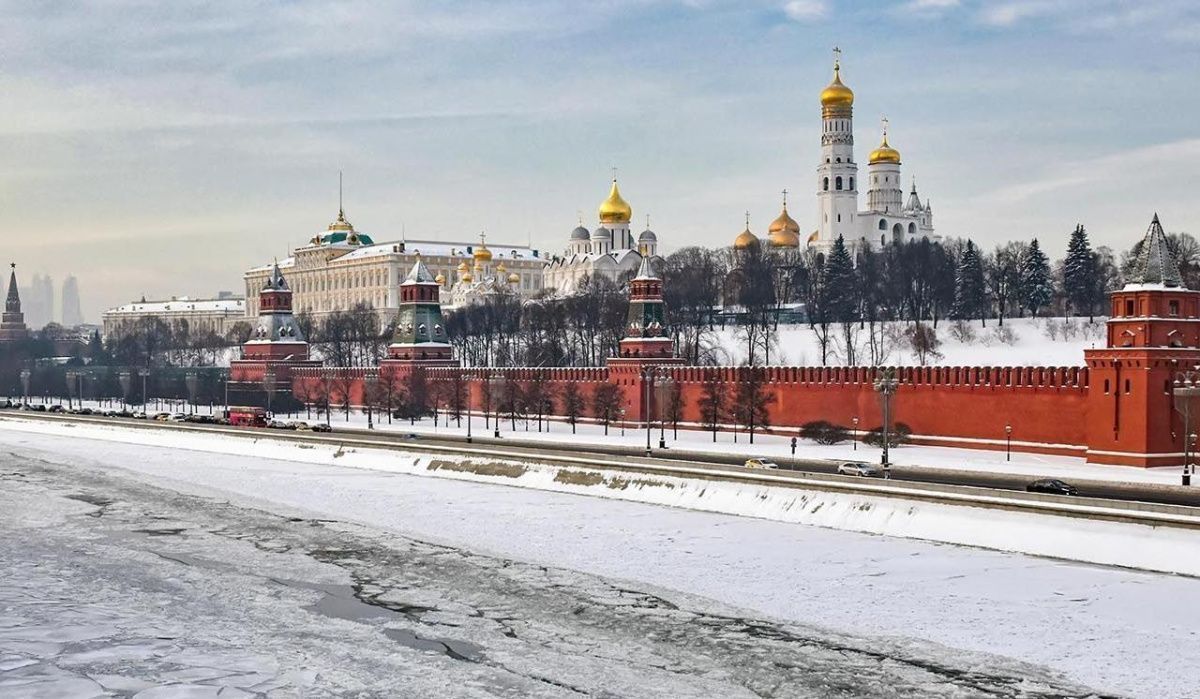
[647, 221]
[883, 120]
[837, 57]
[614, 173]
[482, 239]
[785, 198]
[747, 220]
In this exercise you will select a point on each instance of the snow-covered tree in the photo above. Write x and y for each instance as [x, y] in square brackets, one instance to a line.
[1079, 276]
[1036, 289]
[970, 293]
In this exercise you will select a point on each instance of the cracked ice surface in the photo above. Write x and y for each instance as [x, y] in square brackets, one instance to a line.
[217, 585]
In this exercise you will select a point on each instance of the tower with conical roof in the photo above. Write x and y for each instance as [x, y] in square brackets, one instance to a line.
[420, 335]
[12, 323]
[276, 336]
[1153, 334]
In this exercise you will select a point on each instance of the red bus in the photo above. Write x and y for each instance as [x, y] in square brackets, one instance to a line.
[246, 416]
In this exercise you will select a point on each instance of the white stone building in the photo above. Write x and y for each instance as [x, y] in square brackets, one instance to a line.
[341, 267]
[887, 217]
[201, 315]
[610, 251]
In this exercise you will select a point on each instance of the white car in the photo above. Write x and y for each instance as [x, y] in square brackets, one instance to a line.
[760, 463]
[858, 468]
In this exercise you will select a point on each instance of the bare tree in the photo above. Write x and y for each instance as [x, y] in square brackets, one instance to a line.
[606, 403]
[572, 404]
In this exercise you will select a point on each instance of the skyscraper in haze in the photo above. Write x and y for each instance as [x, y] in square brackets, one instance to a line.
[38, 301]
[72, 315]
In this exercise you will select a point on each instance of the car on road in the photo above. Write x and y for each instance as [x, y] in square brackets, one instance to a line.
[858, 468]
[759, 462]
[57, 409]
[321, 428]
[1052, 486]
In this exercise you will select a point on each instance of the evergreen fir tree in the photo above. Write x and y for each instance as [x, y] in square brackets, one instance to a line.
[970, 293]
[841, 293]
[1036, 290]
[1080, 274]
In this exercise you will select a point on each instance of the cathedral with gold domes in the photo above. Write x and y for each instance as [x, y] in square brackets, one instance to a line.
[609, 251]
[887, 217]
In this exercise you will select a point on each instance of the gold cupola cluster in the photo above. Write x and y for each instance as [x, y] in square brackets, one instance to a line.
[884, 153]
[614, 209]
[784, 232]
[837, 100]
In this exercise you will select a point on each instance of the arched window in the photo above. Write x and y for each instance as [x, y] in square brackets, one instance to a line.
[837, 183]
[838, 159]
[882, 224]
[897, 232]
[912, 228]
[882, 240]
[826, 184]
[851, 183]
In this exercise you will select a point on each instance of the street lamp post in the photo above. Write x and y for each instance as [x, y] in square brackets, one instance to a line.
[886, 384]
[144, 372]
[648, 381]
[621, 417]
[663, 389]
[468, 379]
[25, 375]
[192, 381]
[497, 382]
[269, 387]
[70, 376]
[1185, 388]
[370, 382]
[1008, 442]
[854, 435]
[126, 380]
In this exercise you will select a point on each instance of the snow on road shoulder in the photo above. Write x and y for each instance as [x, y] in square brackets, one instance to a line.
[1154, 548]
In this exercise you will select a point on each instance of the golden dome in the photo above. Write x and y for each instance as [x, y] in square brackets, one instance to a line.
[501, 269]
[466, 278]
[341, 224]
[813, 238]
[745, 240]
[514, 278]
[615, 209]
[784, 232]
[463, 267]
[482, 254]
[884, 153]
[836, 94]
[440, 279]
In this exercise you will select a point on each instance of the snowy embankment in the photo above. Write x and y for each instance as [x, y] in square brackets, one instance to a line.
[1157, 548]
[1019, 342]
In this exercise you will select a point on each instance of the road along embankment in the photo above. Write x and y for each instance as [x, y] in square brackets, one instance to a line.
[1136, 535]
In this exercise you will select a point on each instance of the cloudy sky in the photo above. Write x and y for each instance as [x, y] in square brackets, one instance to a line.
[161, 148]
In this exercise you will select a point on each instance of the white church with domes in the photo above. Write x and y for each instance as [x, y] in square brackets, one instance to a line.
[609, 251]
[888, 217]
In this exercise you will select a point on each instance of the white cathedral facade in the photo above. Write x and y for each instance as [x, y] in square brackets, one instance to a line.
[609, 251]
[888, 216]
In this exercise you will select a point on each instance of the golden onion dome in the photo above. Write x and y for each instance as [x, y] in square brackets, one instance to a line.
[836, 94]
[615, 209]
[813, 237]
[745, 240]
[482, 254]
[784, 232]
[514, 278]
[500, 268]
[466, 278]
[463, 267]
[440, 279]
[884, 153]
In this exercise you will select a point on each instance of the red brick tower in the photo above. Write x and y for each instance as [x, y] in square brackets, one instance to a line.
[12, 325]
[645, 346]
[1153, 332]
[276, 345]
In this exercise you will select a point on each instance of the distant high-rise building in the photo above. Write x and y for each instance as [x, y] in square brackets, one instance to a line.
[72, 314]
[39, 301]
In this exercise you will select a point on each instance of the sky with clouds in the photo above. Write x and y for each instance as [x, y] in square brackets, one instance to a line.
[161, 148]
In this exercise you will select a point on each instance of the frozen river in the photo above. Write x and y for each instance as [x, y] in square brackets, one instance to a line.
[139, 571]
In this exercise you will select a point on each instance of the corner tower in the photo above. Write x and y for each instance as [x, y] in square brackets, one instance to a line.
[1153, 335]
[420, 335]
[276, 337]
[837, 174]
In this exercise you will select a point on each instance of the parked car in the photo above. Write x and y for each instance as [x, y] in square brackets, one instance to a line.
[57, 409]
[759, 462]
[321, 428]
[162, 417]
[1052, 486]
[858, 468]
[301, 426]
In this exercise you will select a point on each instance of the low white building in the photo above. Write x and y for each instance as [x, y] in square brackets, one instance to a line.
[202, 316]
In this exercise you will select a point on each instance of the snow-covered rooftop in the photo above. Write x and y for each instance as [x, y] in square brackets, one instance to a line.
[183, 303]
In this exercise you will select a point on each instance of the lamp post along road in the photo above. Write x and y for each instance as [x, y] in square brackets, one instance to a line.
[648, 381]
[25, 375]
[1008, 442]
[370, 383]
[1184, 390]
[886, 384]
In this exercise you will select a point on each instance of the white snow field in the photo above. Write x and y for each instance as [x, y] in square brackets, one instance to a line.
[1032, 342]
[161, 569]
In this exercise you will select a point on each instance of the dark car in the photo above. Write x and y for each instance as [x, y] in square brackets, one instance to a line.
[1052, 486]
[321, 428]
[57, 409]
